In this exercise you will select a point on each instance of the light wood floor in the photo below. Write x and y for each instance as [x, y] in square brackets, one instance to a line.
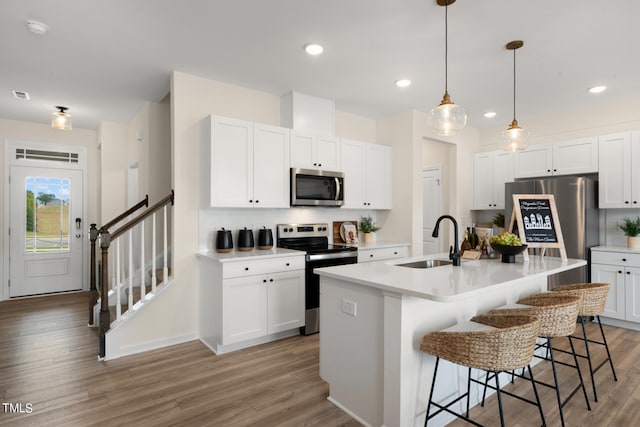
[48, 358]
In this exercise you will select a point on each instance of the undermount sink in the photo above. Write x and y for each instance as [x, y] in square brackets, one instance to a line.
[427, 263]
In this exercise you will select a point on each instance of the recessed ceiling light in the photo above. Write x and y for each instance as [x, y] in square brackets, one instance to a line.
[403, 82]
[313, 49]
[489, 114]
[37, 27]
[598, 89]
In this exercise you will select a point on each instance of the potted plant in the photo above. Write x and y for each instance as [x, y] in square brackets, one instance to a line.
[368, 228]
[631, 228]
[498, 221]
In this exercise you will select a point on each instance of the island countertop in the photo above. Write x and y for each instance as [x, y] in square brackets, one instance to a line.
[447, 283]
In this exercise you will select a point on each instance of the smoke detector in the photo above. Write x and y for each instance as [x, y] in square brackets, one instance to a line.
[36, 27]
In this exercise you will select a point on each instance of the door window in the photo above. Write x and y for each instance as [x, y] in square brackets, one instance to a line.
[47, 214]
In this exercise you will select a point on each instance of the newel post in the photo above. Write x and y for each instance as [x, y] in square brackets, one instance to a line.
[93, 291]
[105, 321]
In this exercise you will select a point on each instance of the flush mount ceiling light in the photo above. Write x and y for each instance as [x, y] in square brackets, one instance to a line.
[60, 119]
[403, 82]
[597, 89]
[514, 137]
[37, 27]
[447, 118]
[313, 49]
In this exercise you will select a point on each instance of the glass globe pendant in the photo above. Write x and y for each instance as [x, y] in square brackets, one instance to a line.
[447, 118]
[514, 138]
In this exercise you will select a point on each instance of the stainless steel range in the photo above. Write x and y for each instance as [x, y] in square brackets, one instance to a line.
[314, 240]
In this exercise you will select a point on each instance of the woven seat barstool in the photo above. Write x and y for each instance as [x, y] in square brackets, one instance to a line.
[594, 297]
[558, 314]
[507, 343]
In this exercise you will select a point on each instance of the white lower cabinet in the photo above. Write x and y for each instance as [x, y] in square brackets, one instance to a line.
[622, 271]
[244, 302]
[382, 253]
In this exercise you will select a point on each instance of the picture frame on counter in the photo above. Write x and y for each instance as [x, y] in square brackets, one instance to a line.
[536, 218]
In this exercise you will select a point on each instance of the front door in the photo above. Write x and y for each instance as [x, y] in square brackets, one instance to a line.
[46, 230]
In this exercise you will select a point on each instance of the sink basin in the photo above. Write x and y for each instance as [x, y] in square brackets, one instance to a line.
[426, 263]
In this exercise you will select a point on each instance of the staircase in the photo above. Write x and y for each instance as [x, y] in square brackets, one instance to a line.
[132, 269]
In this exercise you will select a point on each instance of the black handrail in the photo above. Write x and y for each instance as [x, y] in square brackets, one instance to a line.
[93, 237]
[105, 242]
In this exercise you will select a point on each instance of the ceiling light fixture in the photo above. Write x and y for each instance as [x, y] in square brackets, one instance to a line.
[60, 119]
[403, 82]
[447, 118]
[598, 89]
[313, 49]
[489, 114]
[514, 137]
[37, 27]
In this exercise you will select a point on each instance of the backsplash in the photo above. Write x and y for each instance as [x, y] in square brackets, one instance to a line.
[211, 220]
[609, 220]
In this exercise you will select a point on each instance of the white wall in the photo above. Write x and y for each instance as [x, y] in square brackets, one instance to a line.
[43, 133]
[113, 158]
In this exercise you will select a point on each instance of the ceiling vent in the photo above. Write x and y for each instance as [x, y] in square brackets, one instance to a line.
[18, 94]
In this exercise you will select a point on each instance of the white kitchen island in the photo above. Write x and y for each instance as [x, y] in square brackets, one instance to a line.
[373, 317]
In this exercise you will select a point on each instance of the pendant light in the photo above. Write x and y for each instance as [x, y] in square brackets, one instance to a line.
[514, 137]
[447, 118]
[60, 119]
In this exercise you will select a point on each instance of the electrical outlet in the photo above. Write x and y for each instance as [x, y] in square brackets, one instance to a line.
[349, 307]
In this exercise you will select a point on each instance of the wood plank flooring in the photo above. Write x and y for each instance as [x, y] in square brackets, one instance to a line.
[48, 359]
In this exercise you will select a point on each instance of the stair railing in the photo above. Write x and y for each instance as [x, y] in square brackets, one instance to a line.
[94, 233]
[106, 240]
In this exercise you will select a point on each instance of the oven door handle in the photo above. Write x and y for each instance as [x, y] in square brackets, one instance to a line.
[334, 255]
[338, 189]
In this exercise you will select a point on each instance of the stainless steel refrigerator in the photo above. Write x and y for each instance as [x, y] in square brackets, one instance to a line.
[576, 201]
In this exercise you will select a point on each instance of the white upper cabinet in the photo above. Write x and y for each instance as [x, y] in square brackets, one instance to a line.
[247, 163]
[559, 158]
[491, 170]
[367, 175]
[619, 176]
[310, 151]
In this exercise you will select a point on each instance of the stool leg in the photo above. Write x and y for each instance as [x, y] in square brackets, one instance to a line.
[499, 394]
[555, 378]
[575, 359]
[433, 383]
[484, 392]
[606, 346]
[535, 392]
[586, 346]
[468, 391]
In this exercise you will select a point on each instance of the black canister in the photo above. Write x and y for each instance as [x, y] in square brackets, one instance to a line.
[265, 238]
[224, 241]
[245, 240]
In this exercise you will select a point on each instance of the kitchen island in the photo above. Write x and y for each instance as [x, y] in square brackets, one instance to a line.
[373, 317]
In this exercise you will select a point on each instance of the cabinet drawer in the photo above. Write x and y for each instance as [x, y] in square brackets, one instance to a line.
[264, 266]
[368, 255]
[616, 258]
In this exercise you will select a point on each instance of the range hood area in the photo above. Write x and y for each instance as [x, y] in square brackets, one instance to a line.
[307, 113]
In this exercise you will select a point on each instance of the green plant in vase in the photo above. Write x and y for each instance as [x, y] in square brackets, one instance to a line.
[631, 229]
[367, 227]
[498, 221]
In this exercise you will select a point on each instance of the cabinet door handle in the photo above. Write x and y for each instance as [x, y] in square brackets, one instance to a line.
[548, 170]
[315, 164]
[395, 253]
[370, 255]
[271, 280]
[626, 201]
[619, 272]
[624, 259]
[250, 200]
[287, 264]
[628, 272]
[264, 280]
[635, 202]
[246, 269]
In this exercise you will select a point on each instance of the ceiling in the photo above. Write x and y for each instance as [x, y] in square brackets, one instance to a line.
[104, 59]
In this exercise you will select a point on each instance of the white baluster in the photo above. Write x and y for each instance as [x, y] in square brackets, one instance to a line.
[142, 289]
[130, 232]
[118, 308]
[165, 270]
[153, 254]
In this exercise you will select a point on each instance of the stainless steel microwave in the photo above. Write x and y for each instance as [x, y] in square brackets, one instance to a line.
[310, 187]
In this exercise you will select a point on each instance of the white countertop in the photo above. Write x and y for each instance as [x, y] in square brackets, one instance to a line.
[255, 254]
[380, 244]
[615, 249]
[447, 283]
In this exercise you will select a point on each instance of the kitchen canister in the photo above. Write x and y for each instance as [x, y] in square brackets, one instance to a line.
[224, 241]
[265, 238]
[245, 240]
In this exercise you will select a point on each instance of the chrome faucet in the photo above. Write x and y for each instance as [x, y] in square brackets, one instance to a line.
[454, 251]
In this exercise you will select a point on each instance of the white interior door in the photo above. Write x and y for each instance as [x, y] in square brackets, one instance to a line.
[46, 230]
[431, 207]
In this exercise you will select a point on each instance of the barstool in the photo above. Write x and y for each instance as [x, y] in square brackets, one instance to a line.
[506, 343]
[594, 297]
[558, 314]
